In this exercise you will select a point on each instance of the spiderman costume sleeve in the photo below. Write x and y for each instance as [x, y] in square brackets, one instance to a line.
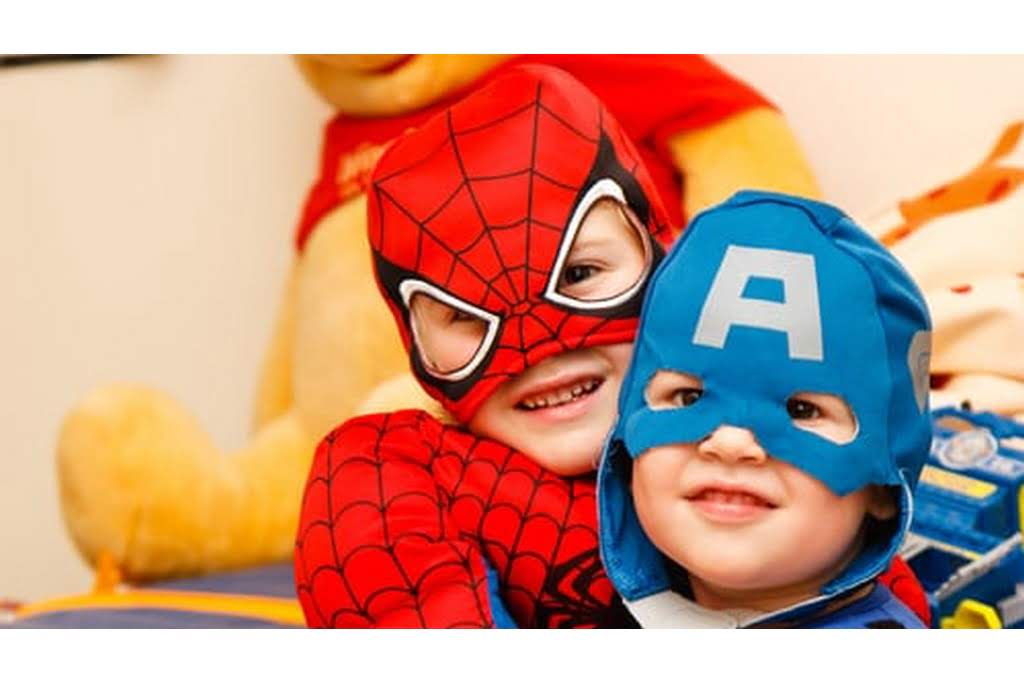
[374, 547]
[408, 523]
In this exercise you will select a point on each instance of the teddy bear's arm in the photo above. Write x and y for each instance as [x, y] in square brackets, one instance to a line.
[753, 149]
[376, 546]
[345, 341]
[274, 393]
[129, 457]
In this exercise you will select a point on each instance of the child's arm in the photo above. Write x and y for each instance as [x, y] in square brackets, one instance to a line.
[376, 546]
[408, 522]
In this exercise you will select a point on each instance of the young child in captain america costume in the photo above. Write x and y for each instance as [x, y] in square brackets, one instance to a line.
[772, 425]
[513, 235]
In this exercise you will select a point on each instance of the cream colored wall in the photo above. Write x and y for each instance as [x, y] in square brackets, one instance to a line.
[147, 207]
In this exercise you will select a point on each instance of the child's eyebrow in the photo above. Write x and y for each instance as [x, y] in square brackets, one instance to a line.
[591, 241]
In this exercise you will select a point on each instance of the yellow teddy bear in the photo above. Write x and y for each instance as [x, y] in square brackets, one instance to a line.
[142, 483]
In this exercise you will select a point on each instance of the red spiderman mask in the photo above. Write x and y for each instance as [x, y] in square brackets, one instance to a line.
[478, 210]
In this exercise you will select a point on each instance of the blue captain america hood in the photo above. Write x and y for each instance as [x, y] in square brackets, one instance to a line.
[765, 296]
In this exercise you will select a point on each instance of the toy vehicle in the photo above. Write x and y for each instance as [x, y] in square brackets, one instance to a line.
[965, 543]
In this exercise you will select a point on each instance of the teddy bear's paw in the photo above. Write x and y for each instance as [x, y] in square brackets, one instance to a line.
[142, 483]
[134, 468]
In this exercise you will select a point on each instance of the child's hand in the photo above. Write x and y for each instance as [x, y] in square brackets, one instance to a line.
[376, 547]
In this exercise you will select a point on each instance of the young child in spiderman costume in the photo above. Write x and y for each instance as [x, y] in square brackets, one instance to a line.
[772, 425]
[513, 235]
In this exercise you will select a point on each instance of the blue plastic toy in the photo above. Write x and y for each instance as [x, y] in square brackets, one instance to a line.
[965, 543]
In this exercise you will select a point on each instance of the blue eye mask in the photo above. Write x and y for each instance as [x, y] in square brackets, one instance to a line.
[764, 297]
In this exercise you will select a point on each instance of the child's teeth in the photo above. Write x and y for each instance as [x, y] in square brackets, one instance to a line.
[732, 497]
[560, 396]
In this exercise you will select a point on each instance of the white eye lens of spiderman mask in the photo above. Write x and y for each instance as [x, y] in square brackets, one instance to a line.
[605, 255]
[451, 336]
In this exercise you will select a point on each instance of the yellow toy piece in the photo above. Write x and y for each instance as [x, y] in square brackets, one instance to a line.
[142, 481]
[109, 593]
[280, 611]
[973, 614]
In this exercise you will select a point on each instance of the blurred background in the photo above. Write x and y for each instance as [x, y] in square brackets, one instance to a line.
[150, 205]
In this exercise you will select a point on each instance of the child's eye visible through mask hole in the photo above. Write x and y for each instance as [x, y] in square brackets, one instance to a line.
[447, 337]
[669, 389]
[802, 410]
[609, 255]
[826, 415]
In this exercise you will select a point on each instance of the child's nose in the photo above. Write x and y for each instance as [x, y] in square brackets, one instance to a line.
[733, 444]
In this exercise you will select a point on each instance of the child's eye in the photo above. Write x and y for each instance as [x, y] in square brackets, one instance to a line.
[457, 316]
[802, 410]
[686, 397]
[577, 273]
[826, 415]
[669, 389]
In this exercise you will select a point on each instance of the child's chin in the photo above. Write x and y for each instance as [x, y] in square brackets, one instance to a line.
[564, 461]
[732, 571]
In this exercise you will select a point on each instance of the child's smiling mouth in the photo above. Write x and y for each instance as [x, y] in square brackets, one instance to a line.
[730, 504]
[565, 396]
[560, 394]
[569, 390]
